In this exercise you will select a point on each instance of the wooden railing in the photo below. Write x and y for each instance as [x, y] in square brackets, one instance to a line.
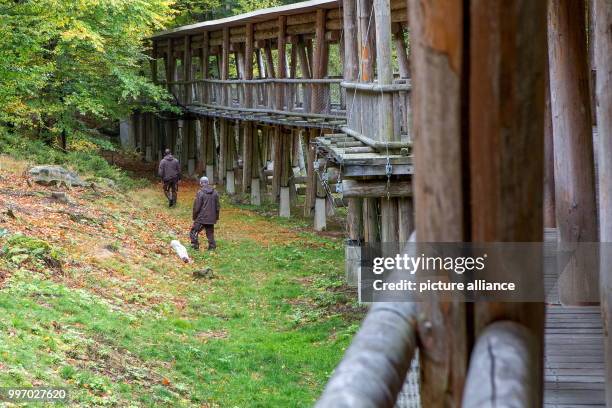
[305, 96]
[364, 114]
[360, 104]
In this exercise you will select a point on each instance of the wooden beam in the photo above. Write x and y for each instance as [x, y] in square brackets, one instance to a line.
[603, 65]
[573, 146]
[376, 189]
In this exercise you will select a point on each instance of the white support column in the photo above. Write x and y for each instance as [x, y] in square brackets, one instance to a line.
[210, 173]
[320, 222]
[255, 192]
[230, 187]
[285, 202]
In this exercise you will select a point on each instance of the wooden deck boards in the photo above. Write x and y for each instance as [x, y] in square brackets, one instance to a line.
[573, 357]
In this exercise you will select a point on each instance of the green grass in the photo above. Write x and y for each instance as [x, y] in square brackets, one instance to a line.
[266, 331]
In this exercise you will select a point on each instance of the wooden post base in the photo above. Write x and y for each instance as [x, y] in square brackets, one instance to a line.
[191, 167]
[148, 154]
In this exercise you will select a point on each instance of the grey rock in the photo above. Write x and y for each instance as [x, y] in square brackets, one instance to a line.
[203, 273]
[56, 175]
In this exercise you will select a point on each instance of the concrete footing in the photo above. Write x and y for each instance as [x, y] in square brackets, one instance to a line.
[320, 219]
[255, 192]
[191, 167]
[352, 262]
[285, 202]
[230, 184]
[148, 154]
[210, 173]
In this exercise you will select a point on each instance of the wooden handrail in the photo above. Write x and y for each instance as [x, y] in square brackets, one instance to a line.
[259, 81]
[373, 369]
[503, 368]
[374, 87]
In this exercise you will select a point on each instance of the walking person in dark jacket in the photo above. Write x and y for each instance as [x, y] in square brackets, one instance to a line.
[206, 209]
[170, 173]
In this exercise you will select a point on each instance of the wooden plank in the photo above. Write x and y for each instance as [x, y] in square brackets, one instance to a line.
[375, 189]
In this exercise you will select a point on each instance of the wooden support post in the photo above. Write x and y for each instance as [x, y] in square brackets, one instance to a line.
[319, 63]
[370, 221]
[248, 65]
[187, 71]
[382, 11]
[438, 182]
[224, 74]
[154, 57]
[506, 197]
[550, 218]
[203, 95]
[603, 66]
[247, 157]
[223, 139]
[388, 220]
[367, 53]
[309, 201]
[282, 62]
[405, 219]
[573, 147]
[277, 148]
[402, 53]
[169, 65]
[270, 71]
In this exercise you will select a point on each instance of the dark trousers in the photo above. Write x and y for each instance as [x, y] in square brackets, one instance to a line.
[210, 234]
[170, 189]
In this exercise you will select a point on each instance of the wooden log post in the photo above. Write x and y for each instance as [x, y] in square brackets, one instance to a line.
[319, 63]
[286, 175]
[506, 193]
[320, 217]
[550, 218]
[367, 47]
[169, 60]
[384, 68]
[603, 93]
[224, 131]
[355, 205]
[187, 71]
[438, 74]
[204, 67]
[277, 158]
[311, 177]
[249, 134]
[573, 147]
[282, 62]
[401, 48]
[256, 169]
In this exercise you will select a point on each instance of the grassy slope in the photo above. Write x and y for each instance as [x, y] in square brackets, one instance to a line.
[126, 324]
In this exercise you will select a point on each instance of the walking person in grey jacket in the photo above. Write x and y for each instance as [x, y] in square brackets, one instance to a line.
[206, 209]
[170, 173]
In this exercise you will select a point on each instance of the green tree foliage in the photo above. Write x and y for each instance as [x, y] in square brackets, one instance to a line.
[65, 62]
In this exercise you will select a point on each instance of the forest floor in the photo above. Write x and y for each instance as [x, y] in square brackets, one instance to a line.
[93, 299]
